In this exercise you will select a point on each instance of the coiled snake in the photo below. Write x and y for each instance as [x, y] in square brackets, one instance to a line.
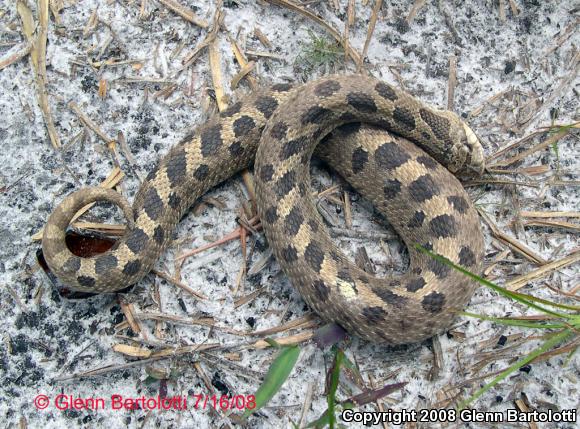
[280, 127]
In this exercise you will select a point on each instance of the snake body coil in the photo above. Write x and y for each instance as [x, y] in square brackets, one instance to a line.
[280, 128]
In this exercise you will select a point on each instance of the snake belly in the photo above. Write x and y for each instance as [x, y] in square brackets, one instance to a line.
[280, 128]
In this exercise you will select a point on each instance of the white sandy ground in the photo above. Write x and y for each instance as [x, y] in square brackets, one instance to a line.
[45, 337]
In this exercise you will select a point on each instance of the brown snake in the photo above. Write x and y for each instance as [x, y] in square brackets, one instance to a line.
[280, 128]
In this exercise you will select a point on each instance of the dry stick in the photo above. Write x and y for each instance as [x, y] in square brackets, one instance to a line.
[190, 322]
[244, 71]
[308, 321]
[349, 22]
[553, 224]
[370, 31]
[452, 82]
[502, 16]
[89, 123]
[553, 139]
[512, 242]
[337, 36]
[179, 284]
[163, 354]
[306, 405]
[228, 237]
[38, 60]
[12, 57]
[514, 8]
[262, 38]
[521, 281]
[284, 341]
[549, 214]
[185, 12]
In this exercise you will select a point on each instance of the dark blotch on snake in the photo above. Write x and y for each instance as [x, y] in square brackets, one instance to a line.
[386, 91]
[266, 172]
[243, 125]
[443, 226]
[211, 140]
[390, 156]
[316, 115]
[136, 240]
[390, 297]
[292, 148]
[427, 161]
[282, 87]
[174, 201]
[313, 225]
[391, 189]
[417, 219]
[278, 130]
[314, 255]
[362, 102]
[374, 315]
[201, 173]
[404, 118]
[151, 175]
[266, 105]
[293, 221]
[236, 148]
[459, 203]
[415, 284]
[360, 157]
[152, 204]
[72, 265]
[176, 167]
[423, 189]
[347, 117]
[466, 257]
[105, 263]
[132, 267]
[321, 290]
[271, 215]
[285, 184]
[327, 88]
[86, 281]
[289, 254]
[438, 268]
[433, 302]
[232, 110]
[158, 234]
[348, 129]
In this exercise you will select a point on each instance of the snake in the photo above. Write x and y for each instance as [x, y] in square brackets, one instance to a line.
[401, 154]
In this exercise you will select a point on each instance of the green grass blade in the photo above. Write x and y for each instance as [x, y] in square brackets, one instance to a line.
[276, 376]
[514, 322]
[555, 340]
[334, 378]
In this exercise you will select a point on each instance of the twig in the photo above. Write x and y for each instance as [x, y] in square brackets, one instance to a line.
[521, 281]
[185, 12]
